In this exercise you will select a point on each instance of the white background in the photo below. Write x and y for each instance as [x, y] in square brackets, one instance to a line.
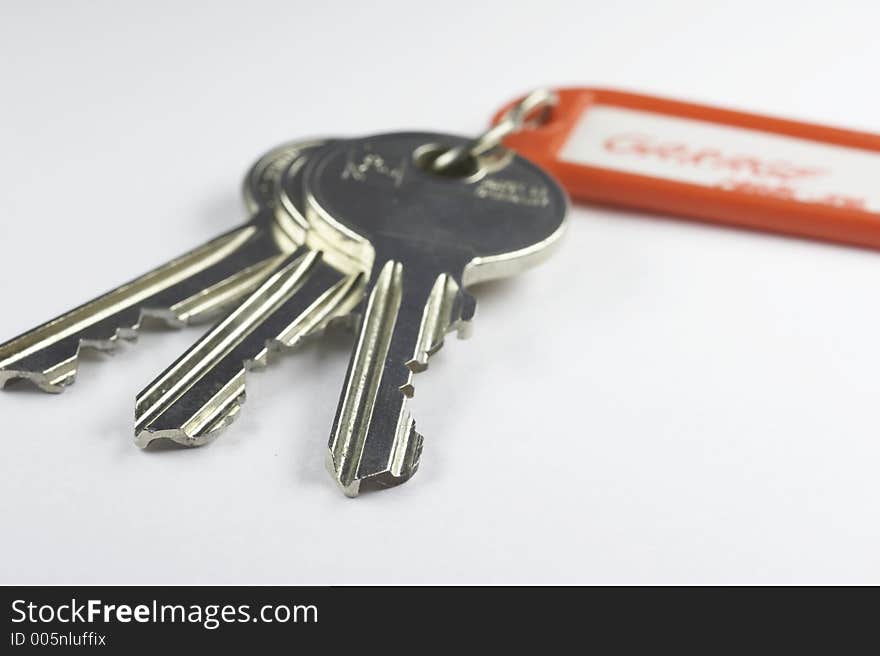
[661, 402]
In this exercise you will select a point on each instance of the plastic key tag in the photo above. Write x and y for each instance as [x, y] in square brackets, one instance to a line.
[712, 164]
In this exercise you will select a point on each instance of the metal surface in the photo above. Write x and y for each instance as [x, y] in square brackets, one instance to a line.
[193, 287]
[423, 238]
[513, 121]
[203, 390]
[361, 229]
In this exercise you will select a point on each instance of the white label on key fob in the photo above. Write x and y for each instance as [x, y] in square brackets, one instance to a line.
[725, 157]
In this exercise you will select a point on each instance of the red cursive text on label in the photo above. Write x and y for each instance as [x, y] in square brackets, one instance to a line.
[711, 158]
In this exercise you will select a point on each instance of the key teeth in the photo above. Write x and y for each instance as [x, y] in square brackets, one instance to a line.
[147, 297]
[190, 406]
[462, 325]
[448, 308]
[468, 309]
[193, 436]
[186, 436]
[48, 380]
[38, 380]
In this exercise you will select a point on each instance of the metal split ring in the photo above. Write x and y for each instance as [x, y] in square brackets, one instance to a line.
[514, 120]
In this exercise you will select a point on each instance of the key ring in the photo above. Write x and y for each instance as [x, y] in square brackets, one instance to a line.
[513, 121]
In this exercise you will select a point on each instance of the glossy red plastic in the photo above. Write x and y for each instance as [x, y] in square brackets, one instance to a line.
[774, 207]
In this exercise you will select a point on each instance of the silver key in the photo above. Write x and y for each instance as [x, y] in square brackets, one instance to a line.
[204, 389]
[193, 287]
[424, 238]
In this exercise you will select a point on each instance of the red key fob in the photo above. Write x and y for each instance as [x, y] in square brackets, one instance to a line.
[710, 164]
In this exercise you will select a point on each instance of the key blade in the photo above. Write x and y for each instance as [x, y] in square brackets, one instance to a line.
[193, 287]
[422, 234]
[186, 289]
[381, 448]
[202, 392]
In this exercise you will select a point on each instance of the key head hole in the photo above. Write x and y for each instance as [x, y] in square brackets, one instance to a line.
[424, 157]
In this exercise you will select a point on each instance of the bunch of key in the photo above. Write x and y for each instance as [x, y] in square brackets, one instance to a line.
[370, 233]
